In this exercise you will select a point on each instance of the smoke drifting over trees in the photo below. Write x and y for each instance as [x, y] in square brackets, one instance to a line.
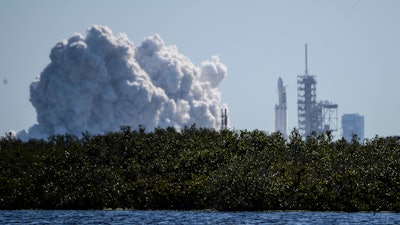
[101, 82]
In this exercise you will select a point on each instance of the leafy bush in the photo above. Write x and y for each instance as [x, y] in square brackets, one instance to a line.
[198, 168]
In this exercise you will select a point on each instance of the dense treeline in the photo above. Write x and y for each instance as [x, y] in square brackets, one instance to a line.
[200, 169]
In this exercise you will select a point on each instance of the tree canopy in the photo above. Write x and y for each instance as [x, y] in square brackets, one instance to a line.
[198, 168]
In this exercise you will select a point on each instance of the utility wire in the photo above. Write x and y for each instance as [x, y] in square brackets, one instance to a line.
[275, 43]
[336, 31]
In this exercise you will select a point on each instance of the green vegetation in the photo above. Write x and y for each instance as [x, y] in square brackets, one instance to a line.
[200, 169]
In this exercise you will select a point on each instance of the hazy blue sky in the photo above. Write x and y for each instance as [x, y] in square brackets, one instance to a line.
[354, 50]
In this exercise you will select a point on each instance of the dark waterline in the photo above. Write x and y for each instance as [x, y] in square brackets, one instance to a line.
[191, 217]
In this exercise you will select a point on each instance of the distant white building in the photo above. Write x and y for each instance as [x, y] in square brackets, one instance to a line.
[352, 124]
[280, 110]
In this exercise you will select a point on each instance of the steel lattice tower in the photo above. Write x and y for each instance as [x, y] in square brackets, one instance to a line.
[313, 116]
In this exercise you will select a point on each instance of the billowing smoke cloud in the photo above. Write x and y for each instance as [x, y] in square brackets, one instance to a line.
[101, 82]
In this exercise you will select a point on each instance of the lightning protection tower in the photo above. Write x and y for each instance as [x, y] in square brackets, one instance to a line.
[224, 118]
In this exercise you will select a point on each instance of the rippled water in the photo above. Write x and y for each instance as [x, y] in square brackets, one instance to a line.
[192, 217]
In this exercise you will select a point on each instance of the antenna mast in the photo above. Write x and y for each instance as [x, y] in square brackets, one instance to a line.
[306, 62]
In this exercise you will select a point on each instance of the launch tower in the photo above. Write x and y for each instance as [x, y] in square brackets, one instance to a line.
[313, 116]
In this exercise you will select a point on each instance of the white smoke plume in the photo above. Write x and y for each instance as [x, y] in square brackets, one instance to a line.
[101, 82]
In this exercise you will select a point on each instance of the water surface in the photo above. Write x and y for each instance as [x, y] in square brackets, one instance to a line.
[192, 217]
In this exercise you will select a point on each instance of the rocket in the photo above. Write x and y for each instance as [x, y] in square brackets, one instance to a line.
[281, 110]
[281, 93]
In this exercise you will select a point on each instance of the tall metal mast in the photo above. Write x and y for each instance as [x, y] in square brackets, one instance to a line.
[306, 72]
[224, 119]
